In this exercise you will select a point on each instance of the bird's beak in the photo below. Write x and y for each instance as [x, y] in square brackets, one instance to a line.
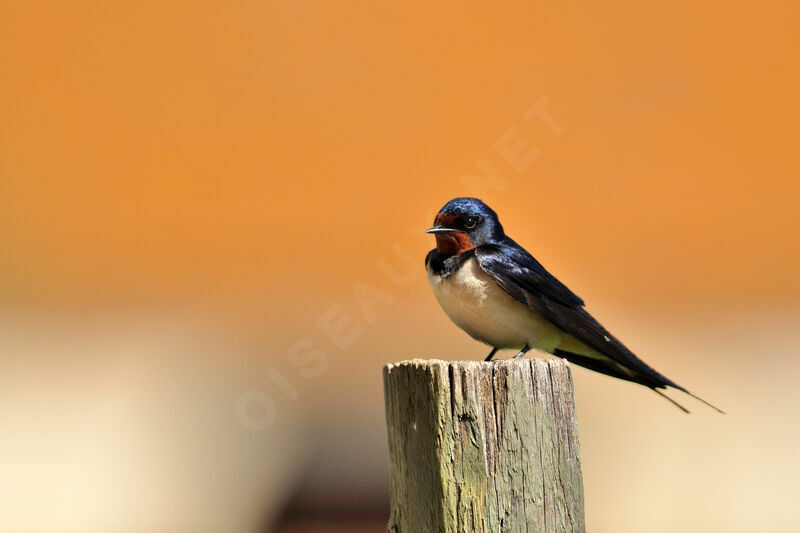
[437, 229]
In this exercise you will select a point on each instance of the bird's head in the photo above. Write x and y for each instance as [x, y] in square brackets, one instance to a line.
[464, 223]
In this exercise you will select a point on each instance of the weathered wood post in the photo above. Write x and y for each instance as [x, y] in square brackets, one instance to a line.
[477, 446]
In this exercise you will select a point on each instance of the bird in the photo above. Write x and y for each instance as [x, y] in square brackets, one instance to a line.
[499, 294]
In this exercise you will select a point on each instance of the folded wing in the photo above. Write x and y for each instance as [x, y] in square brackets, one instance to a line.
[524, 278]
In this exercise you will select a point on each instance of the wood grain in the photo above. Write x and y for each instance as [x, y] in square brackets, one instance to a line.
[487, 447]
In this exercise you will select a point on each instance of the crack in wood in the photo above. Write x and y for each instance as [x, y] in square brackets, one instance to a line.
[495, 447]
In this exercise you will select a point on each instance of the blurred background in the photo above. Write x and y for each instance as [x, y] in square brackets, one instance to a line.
[211, 230]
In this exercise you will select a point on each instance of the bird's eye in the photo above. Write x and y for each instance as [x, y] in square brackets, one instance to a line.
[470, 222]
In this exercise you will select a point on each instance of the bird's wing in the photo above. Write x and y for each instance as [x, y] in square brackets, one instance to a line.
[524, 278]
[517, 271]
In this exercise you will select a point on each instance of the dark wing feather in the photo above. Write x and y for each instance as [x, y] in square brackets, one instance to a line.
[522, 273]
[524, 278]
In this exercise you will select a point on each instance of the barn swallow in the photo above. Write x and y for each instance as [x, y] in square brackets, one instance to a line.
[493, 289]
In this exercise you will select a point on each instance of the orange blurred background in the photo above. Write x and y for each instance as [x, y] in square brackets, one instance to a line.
[186, 188]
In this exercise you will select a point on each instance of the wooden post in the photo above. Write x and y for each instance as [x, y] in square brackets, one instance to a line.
[477, 446]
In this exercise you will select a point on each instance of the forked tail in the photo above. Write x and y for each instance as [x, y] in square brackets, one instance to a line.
[682, 408]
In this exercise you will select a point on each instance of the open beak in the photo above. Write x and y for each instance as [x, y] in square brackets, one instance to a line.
[437, 229]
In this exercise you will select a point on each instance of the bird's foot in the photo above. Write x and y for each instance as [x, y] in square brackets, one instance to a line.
[522, 352]
[489, 357]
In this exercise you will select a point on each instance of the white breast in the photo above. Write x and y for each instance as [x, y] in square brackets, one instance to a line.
[489, 314]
